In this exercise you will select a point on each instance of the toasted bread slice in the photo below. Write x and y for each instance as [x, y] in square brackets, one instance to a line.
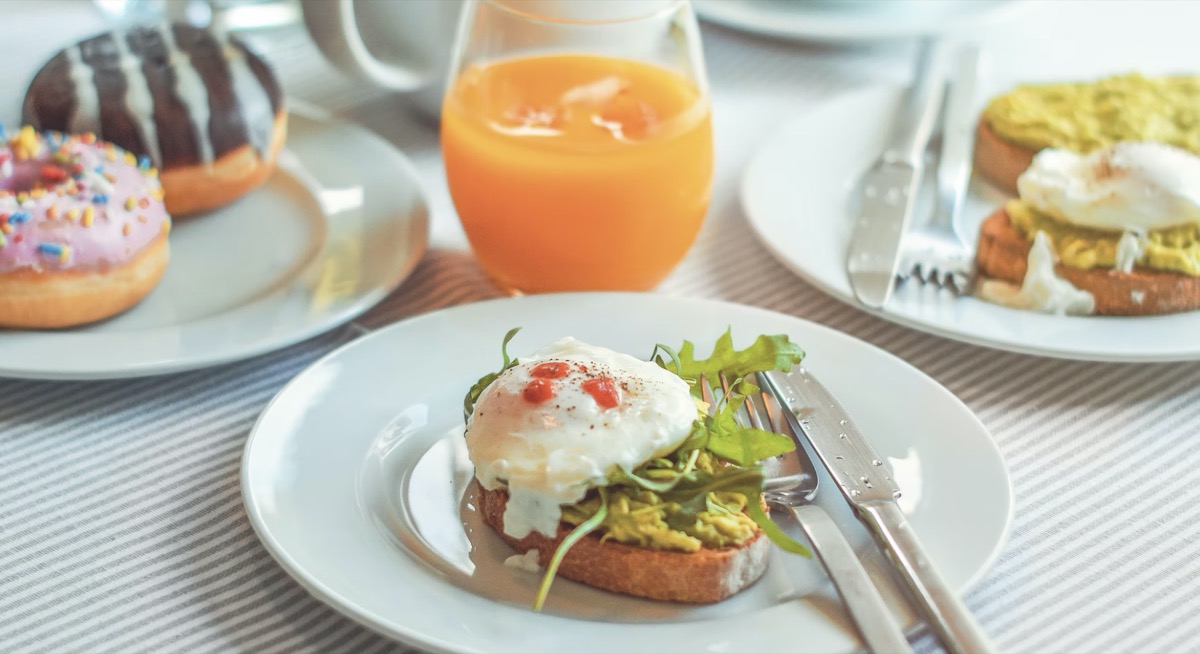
[702, 577]
[1000, 162]
[1003, 253]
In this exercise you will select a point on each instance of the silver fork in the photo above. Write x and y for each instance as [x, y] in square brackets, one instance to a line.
[935, 253]
[791, 486]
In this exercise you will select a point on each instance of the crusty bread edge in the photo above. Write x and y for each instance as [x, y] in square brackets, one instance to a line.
[1003, 254]
[702, 577]
[999, 161]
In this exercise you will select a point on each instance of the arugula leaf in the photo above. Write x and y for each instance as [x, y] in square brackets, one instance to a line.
[621, 477]
[722, 434]
[745, 446]
[766, 353]
[692, 492]
[486, 380]
[583, 529]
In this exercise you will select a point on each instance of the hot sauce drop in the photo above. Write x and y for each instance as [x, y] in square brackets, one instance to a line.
[538, 391]
[604, 391]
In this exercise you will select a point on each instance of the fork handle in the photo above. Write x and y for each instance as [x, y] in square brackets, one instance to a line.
[944, 611]
[876, 624]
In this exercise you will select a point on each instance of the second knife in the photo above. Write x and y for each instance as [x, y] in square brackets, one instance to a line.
[887, 193]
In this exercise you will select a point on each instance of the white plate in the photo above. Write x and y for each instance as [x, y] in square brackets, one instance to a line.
[353, 478]
[795, 193]
[339, 225]
[853, 20]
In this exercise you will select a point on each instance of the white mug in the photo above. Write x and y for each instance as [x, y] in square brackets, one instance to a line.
[400, 45]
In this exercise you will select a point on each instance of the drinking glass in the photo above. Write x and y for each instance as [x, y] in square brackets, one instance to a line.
[577, 138]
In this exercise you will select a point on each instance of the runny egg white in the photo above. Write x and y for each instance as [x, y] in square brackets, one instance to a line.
[1129, 186]
[551, 427]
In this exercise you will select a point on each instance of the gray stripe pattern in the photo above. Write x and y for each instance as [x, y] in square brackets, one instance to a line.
[121, 521]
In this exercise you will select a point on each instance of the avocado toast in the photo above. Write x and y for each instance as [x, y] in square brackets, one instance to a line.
[619, 476]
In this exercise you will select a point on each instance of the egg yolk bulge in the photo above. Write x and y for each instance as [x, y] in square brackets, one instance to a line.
[551, 427]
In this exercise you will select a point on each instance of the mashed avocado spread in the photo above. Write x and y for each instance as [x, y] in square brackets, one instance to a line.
[1086, 116]
[639, 517]
[1175, 249]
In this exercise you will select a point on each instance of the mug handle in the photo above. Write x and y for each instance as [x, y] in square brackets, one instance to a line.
[334, 28]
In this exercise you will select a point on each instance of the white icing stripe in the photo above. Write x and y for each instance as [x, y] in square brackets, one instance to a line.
[191, 91]
[252, 98]
[139, 102]
[86, 117]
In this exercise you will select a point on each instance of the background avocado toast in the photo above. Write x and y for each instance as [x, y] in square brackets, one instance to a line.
[1003, 255]
[1083, 117]
[1108, 134]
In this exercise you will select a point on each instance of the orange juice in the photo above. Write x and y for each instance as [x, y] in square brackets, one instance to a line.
[577, 172]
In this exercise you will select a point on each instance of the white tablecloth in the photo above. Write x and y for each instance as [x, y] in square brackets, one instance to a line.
[121, 519]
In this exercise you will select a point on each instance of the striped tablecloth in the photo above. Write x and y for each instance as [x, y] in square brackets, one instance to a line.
[121, 520]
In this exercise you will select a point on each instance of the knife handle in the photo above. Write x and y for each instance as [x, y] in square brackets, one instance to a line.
[945, 612]
[922, 103]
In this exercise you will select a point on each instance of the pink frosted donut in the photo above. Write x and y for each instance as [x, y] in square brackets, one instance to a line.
[83, 230]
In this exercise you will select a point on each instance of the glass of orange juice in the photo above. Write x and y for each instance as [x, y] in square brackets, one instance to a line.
[577, 139]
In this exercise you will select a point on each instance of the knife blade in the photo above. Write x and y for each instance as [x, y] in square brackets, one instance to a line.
[867, 485]
[887, 192]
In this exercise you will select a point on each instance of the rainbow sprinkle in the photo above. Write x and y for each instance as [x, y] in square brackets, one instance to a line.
[100, 198]
[18, 217]
[126, 229]
[143, 162]
[73, 214]
[63, 252]
[52, 211]
[25, 145]
[130, 203]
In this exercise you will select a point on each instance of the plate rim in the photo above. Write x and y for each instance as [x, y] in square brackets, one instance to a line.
[417, 229]
[780, 137]
[388, 628]
[834, 28]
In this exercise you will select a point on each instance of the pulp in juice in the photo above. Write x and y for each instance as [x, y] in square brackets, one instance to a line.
[577, 171]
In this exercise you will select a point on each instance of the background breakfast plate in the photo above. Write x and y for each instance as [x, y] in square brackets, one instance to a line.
[352, 479]
[338, 226]
[795, 193]
[853, 20]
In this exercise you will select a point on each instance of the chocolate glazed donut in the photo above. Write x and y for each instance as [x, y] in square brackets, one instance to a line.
[205, 110]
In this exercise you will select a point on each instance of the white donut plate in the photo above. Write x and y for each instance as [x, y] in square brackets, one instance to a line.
[341, 222]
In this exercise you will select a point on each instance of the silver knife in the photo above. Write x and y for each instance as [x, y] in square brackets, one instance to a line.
[867, 484]
[887, 193]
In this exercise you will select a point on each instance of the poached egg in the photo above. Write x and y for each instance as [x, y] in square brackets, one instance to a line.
[552, 426]
[1129, 186]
